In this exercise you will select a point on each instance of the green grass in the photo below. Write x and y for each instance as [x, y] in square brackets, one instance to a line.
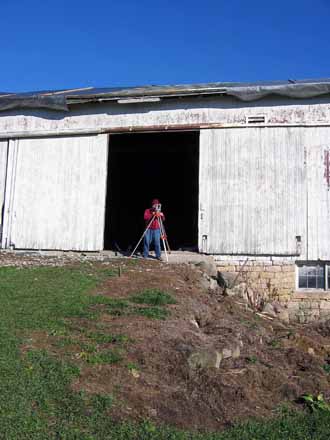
[104, 338]
[153, 297]
[36, 398]
[124, 307]
[151, 312]
[103, 357]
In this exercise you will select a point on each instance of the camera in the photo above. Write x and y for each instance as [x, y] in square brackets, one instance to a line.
[157, 208]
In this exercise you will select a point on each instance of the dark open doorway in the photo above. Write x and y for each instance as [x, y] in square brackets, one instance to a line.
[143, 166]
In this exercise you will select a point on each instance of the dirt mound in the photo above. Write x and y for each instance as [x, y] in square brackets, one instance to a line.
[207, 363]
[211, 362]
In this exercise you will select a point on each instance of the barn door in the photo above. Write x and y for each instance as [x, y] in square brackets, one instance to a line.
[318, 195]
[3, 171]
[252, 191]
[55, 195]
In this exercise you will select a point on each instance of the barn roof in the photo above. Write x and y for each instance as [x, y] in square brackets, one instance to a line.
[61, 99]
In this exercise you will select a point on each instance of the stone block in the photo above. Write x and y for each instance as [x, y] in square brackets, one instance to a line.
[288, 268]
[324, 313]
[304, 305]
[324, 305]
[274, 268]
[228, 269]
[205, 359]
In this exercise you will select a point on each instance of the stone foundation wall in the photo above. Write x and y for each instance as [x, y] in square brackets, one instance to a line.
[308, 307]
[272, 280]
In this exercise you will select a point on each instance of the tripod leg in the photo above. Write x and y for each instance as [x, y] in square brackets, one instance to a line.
[162, 236]
[144, 233]
[164, 233]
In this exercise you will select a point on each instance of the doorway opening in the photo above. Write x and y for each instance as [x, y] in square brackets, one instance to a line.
[144, 166]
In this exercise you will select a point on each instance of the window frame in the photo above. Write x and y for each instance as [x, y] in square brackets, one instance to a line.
[314, 263]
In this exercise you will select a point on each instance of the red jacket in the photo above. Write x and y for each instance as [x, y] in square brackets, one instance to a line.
[148, 214]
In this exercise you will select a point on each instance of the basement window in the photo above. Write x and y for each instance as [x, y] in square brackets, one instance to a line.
[313, 275]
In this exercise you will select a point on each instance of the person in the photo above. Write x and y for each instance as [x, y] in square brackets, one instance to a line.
[153, 233]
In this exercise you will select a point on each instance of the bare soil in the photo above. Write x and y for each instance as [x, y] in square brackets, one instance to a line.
[277, 363]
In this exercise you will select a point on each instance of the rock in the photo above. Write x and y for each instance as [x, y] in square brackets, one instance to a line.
[311, 351]
[233, 352]
[135, 373]
[284, 316]
[205, 359]
[184, 348]
[213, 284]
[209, 267]
[236, 352]
[207, 283]
[227, 279]
[226, 353]
[269, 310]
[239, 290]
[194, 322]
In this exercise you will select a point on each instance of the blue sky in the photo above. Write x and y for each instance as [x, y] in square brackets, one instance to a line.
[66, 44]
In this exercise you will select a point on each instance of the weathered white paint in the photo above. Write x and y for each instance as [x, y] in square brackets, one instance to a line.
[252, 191]
[3, 168]
[317, 143]
[259, 187]
[211, 110]
[55, 196]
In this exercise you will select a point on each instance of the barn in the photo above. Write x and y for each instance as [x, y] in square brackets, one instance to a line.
[242, 171]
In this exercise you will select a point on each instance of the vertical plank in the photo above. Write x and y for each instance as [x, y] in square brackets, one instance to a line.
[59, 200]
[3, 171]
[254, 190]
[318, 167]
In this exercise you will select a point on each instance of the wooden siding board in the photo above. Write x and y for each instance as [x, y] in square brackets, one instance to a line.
[3, 169]
[59, 199]
[253, 190]
[207, 110]
[318, 144]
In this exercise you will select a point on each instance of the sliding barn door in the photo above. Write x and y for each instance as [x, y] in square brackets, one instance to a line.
[55, 194]
[252, 191]
[3, 172]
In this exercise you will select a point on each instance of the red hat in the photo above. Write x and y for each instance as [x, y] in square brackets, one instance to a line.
[155, 202]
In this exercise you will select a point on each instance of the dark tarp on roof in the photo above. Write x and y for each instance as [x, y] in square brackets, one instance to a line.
[60, 99]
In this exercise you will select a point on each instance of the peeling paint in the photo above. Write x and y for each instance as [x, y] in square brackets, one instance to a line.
[327, 168]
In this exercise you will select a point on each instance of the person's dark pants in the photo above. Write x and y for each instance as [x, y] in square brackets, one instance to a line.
[152, 236]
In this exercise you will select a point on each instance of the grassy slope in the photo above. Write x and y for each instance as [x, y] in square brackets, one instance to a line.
[35, 398]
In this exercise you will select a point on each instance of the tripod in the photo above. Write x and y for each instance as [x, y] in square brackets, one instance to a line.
[163, 236]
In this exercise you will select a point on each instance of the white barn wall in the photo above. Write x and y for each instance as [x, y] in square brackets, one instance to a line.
[259, 168]
[56, 193]
[3, 168]
[263, 187]
[213, 110]
[317, 142]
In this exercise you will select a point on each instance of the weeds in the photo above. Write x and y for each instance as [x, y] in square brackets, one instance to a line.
[316, 403]
[326, 368]
[252, 359]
